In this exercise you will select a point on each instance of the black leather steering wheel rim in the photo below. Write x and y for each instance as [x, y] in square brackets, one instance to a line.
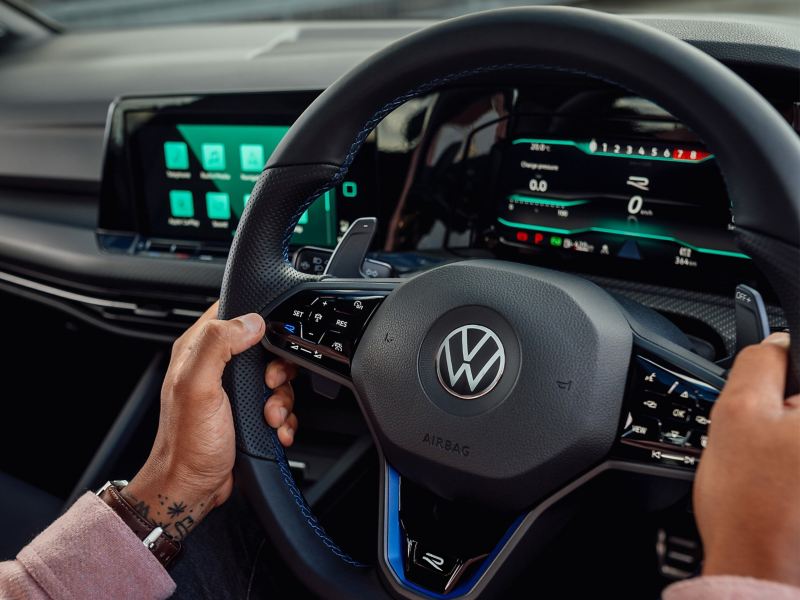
[757, 151]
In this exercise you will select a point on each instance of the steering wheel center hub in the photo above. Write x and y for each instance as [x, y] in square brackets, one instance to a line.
[494, 382]
[469, 360]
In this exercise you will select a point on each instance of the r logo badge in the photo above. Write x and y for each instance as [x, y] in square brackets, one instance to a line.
[435, 561]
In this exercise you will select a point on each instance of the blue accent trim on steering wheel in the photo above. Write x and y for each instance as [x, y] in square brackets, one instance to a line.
[300, 501]
[396, 543]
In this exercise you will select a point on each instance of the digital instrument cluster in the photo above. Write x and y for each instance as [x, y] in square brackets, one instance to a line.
[652, 201]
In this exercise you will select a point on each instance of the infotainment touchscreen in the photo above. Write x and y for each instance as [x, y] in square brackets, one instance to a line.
[197, 178]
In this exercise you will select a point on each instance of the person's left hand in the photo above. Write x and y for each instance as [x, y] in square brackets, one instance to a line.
[190, 468]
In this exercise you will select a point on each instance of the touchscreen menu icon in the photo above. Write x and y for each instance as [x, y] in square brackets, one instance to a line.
[176, 155]
[252, 157]
[181, 204]
[213, 157]
[218, 206]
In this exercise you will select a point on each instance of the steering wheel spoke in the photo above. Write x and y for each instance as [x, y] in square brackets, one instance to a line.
[667, 408]
[318, 325]
[439, 548]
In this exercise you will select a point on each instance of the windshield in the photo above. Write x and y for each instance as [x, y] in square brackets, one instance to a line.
[115, 14]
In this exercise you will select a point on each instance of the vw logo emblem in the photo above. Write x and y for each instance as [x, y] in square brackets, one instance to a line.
[470, 361]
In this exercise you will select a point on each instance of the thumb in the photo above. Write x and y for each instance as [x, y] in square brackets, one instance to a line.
[216, 342]
[757, 380]
[244, 332]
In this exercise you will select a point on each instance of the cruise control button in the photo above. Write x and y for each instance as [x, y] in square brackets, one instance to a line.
[342, 322]
[320, 312]
[338, 344]
[313, 332]
[298, 313]
[357, 306]
[323, 303]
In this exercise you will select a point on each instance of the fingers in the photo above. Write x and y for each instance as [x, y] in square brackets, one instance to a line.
[213, 344]
[758, 377]
[287, 430]
[279, 406]
[279, 372]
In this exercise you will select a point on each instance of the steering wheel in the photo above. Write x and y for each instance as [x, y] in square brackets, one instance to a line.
[489, 383]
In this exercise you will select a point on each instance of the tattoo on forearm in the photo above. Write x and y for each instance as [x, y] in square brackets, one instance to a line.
[176, 508]
[173, 516]
[142, 508]
[182, 527]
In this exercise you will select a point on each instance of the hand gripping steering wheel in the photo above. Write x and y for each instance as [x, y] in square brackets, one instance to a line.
[539, 419]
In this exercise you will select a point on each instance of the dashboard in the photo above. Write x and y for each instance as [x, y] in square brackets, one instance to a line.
[121, 188]
[569, 173]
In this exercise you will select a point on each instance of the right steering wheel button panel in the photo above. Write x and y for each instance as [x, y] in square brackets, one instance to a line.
[667, 416]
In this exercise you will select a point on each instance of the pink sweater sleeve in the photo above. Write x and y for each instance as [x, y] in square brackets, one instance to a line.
[728, 587]
[86, 553]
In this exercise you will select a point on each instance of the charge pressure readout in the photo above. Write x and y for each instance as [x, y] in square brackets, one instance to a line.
[621, 199]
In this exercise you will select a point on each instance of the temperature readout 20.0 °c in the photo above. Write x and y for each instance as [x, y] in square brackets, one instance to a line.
[654, 202]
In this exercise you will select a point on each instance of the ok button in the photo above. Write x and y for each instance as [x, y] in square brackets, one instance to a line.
[679, 412]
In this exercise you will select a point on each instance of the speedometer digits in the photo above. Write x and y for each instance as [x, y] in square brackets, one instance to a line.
[653, 201]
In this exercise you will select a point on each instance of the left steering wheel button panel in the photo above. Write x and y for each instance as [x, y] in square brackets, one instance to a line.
[322, 328]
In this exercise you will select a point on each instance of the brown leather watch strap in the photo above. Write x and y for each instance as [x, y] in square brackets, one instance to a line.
[163, 547]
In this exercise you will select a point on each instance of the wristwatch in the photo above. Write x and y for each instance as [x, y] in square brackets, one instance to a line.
[162, 545]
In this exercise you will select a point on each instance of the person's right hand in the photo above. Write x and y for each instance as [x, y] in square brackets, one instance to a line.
[190, 468]
[747, 491]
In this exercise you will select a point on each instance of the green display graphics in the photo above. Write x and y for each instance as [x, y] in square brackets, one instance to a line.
[205, 176]
[658, 203]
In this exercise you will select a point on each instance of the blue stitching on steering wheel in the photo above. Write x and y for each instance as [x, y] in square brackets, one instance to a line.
[300, 501]
[361, 137]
